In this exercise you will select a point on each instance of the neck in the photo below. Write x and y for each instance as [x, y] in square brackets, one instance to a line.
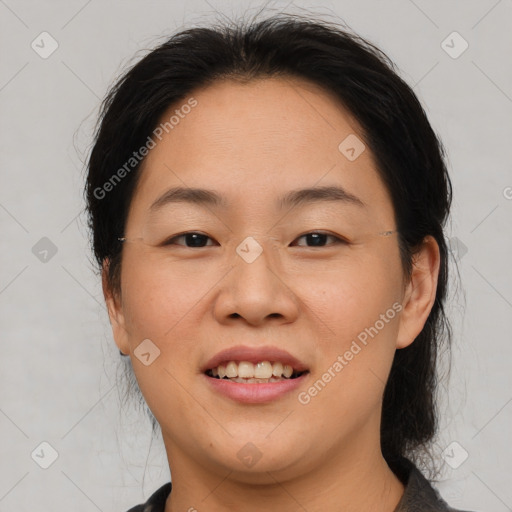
[352, 481]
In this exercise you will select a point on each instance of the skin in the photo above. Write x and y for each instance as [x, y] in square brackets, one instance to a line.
[252, 143]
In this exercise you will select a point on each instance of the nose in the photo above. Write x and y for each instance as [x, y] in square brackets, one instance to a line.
[256, 290]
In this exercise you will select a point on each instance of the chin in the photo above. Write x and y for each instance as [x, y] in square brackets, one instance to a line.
[252, 461]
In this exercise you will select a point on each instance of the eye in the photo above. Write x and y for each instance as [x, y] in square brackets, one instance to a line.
[196, 239]
[318, 238]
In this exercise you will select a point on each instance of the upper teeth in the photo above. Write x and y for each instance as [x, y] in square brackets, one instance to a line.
[246, 370]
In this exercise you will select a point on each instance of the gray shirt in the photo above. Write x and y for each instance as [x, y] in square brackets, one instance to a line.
[419, 495]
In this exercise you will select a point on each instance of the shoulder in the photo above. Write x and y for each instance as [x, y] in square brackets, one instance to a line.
[419, 495]
[156, 502]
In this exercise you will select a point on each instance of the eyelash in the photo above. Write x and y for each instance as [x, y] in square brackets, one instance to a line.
[337, 238]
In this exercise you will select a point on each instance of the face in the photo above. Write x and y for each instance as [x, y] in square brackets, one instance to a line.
[314, 284]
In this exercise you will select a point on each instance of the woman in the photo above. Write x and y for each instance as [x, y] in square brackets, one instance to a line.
[267, 203]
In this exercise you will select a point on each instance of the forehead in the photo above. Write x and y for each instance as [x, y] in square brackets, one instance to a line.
[256, 141]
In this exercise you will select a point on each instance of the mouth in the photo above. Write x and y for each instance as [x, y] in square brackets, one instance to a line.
[262, 372]
[254, 375]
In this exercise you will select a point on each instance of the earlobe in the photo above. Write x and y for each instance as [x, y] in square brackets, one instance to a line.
[115, 311]
[420, 292]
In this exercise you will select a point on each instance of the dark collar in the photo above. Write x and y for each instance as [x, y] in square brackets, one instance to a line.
[419, 495]
[156, 502]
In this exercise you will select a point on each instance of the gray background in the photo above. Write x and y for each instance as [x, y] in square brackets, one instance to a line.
[58, 363]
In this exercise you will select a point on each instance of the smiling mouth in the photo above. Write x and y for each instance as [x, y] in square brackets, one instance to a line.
[248, 373]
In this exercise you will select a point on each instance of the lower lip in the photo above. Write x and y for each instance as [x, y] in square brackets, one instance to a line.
[255, 393]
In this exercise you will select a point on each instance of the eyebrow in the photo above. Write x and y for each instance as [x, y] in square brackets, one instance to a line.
[205, 197]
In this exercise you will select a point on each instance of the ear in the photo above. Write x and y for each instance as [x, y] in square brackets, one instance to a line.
[115, 311]
[420, 293]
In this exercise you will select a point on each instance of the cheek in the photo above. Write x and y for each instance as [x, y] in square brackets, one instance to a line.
[157, 298]
[162, 304]
[361, 309]
[351, 298]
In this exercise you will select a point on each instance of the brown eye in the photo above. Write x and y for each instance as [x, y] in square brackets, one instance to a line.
[195, 239]
[318, 238]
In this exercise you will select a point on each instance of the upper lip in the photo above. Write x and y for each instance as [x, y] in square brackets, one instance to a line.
[254, 355]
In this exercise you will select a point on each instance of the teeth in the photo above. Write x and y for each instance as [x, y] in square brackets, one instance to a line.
[264, 371]
[256, 381]
[277, 369]
[245, 370]
[287, 371]
[231, 369]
